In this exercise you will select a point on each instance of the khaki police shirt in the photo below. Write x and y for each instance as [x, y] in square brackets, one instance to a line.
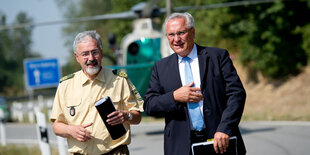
[74, 105]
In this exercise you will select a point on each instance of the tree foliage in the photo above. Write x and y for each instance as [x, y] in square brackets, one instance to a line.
[15, 45]
[271, 38]
[271, 45]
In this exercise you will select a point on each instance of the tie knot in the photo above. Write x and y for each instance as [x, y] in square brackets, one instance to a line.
[186, 59]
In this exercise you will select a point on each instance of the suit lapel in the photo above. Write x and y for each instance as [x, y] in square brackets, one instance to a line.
[175, 72]
[203, 60]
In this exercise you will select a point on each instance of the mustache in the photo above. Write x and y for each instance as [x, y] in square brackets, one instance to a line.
[94, 62]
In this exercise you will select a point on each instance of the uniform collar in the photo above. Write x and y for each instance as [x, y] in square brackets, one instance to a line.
[85, 79]
[100, 76]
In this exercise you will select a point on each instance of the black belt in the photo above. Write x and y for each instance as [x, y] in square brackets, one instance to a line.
[198, 136]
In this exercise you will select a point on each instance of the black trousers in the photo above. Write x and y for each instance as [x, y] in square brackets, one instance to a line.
[198, 136]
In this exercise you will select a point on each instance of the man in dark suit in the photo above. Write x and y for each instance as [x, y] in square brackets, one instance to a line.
[214, 88]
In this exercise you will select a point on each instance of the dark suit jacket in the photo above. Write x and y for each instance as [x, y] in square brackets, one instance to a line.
[224, 98]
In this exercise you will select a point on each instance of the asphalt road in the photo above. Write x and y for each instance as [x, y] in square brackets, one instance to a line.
[261, 138]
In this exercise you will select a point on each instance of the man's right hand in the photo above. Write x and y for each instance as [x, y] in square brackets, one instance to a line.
[187, 93]
[80, 132]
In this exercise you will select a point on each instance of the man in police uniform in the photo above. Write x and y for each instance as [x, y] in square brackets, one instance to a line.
[74, 113]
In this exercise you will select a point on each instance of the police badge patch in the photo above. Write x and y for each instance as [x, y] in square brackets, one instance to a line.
[72, 111]
[137, 95]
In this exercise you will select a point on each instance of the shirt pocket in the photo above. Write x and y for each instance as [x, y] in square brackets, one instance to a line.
[116, 99]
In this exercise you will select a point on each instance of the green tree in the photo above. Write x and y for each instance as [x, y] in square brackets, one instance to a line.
[271, 46]
[3, 61]
[15, 45]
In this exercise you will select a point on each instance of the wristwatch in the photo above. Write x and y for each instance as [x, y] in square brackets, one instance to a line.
[129, 116]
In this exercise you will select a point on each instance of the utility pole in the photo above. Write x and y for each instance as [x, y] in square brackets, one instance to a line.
[168, 7]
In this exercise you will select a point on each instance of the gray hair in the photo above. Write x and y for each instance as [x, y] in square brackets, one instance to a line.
[81, 37]
[190, 23]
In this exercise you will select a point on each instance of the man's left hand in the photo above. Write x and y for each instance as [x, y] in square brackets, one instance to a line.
[221, 142]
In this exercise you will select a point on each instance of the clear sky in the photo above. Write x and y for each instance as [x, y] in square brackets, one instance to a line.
[47, 40]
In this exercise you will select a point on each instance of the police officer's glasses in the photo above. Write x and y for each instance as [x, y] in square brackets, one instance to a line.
[94, 53]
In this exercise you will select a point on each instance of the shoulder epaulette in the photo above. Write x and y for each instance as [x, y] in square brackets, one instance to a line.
[120, 73]
[66, 77]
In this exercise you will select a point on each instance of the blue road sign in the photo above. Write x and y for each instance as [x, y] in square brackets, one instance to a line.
[41, 73]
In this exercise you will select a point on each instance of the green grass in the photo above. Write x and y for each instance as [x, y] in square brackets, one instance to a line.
[23, 150]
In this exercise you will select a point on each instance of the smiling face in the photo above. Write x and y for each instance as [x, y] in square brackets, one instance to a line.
[89, 56]
[180, 37]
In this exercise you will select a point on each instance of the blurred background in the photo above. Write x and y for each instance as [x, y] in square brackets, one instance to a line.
[268, 40]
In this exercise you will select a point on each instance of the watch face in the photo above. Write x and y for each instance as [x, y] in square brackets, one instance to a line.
[129, 116]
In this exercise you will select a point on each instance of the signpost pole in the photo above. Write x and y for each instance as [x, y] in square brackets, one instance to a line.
[42, 134]
[41, 73]
[2, 129]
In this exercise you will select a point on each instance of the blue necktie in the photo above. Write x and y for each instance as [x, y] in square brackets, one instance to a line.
[193, 108]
